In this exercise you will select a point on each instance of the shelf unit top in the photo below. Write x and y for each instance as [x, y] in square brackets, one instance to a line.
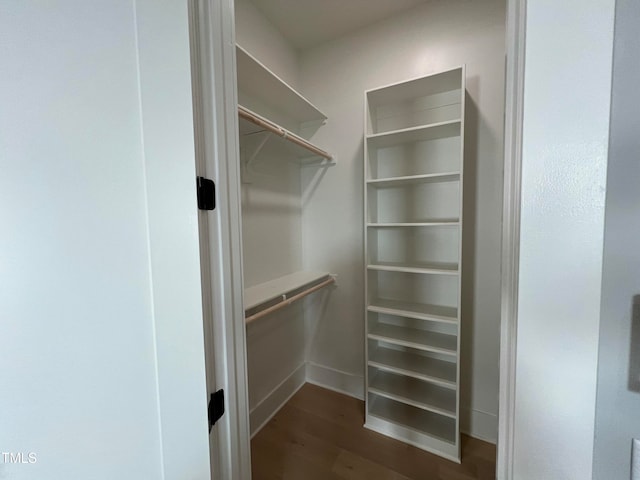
[256, 80]
[414, 179]
[432, 131]
[418, 87]
[276, 288]
[282, 143]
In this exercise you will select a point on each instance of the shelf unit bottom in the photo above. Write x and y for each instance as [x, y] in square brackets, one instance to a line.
[425, 430]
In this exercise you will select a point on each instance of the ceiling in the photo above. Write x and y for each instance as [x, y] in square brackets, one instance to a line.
[307, 23]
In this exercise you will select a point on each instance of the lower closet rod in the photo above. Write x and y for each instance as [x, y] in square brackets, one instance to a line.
[289, 301]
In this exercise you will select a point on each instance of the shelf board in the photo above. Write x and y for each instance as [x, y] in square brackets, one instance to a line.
[415, 338]
[429, 268]
[431, 223]
[413, 365]
[414, 134]
[416, 419]
[414, 179]
[276, 288]
[419, 311]
[282, 143]
[417, 87]
[414, 392]
[257, 81]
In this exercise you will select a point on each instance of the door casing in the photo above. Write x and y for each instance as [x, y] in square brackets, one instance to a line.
[218, 138]
[217, 152]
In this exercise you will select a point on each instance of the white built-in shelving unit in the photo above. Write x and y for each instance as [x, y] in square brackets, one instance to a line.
[413, 229]
[274, 121]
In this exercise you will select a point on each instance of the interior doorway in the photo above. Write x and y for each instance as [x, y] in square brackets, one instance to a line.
[321, 339]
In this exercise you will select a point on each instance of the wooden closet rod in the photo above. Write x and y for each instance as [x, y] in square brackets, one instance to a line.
[288, 301]
[281, 132]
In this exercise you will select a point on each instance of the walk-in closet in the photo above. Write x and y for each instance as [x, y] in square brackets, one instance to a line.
[371, 138]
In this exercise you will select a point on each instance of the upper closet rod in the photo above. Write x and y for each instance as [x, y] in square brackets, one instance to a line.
[288, 301]
[287, 135]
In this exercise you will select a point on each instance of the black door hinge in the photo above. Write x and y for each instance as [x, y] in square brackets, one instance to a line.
[206, 191]
[216, 407]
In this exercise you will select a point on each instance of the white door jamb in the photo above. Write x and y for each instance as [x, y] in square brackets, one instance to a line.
[216, 131]
[514, 100]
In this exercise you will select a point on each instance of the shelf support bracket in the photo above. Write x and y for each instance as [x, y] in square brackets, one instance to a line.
[250, 158]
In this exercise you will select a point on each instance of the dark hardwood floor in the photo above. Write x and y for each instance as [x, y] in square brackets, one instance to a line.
[319, 434]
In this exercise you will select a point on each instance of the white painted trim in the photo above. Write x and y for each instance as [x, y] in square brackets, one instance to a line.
[325, 377]
[216, 52]
[479, 424]
[230, 259]
[202, 148]
[220, 21]
[336, 380]
[514, 99]
[276, 399]
[169, 169]
[413, 437]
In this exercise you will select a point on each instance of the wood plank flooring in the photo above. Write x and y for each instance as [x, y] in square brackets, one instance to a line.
[319, 434]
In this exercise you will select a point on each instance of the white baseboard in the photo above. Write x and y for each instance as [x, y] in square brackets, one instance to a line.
[336, 380]
[275, 400]
[480, 425]
[475, 423]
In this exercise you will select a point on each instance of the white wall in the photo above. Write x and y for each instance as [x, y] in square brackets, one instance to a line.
[84, 254]
[271, 241]
[265, 42]
[271, 218]
[618, 400]
[426, 39]
[566, 122]
[271, 245]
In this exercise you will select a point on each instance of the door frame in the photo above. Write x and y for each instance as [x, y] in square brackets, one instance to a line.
[514, 101]
[215, 38]
[217, 148]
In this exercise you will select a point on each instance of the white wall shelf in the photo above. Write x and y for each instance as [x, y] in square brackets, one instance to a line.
[413, 179]
[431, 249]
[417, 202]
[414, 392]
[414, 134]
[416, 419]
[416, 267]
[431, 370]
[271, 114]
[281, 143]
[415, 338]
[419, 311]
[256, 81]
[413, 194]
[433, 223]
[280, 287]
